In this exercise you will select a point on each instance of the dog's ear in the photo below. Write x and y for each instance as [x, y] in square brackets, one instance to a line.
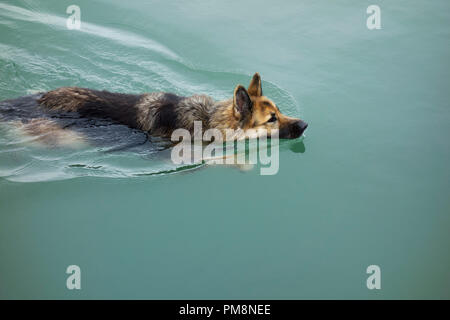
[241, 101]
[255, 89]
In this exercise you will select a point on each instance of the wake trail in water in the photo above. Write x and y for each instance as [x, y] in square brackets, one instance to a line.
[98, 57]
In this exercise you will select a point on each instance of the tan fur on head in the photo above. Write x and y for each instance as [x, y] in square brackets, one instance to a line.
[255, 88]
[249, 109]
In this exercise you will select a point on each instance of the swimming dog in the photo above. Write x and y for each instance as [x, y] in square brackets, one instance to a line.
[160, 113]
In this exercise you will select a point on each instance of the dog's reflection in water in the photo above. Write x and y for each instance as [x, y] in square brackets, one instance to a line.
[48, 133]
[243, 155]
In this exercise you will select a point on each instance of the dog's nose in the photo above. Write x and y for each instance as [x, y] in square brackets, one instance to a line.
[303, 125]
[298, 128]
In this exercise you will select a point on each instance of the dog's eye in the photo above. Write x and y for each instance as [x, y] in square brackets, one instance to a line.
[273, 118]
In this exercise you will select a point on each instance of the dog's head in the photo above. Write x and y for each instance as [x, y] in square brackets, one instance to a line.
[256, 111]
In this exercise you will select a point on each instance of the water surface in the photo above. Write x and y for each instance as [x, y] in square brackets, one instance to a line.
[369, 183]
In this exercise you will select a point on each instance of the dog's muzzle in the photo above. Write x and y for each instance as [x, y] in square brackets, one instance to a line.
[294, 130]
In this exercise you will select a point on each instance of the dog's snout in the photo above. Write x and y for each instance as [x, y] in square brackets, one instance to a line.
[293, 130]
[298, 128]
[302, 125]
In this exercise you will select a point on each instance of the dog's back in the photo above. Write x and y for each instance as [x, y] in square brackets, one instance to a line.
[157, 113]
[89, 103]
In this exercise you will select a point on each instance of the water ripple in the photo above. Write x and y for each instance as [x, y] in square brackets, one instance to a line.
[99, 57]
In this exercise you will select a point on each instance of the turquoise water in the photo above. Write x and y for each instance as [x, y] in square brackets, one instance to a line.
[369, 184]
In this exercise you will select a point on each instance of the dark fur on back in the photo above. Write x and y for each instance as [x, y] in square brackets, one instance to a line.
[163, 117]
[89, 103]
[158, 113]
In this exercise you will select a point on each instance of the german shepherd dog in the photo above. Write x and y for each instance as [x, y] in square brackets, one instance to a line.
[160, 113]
